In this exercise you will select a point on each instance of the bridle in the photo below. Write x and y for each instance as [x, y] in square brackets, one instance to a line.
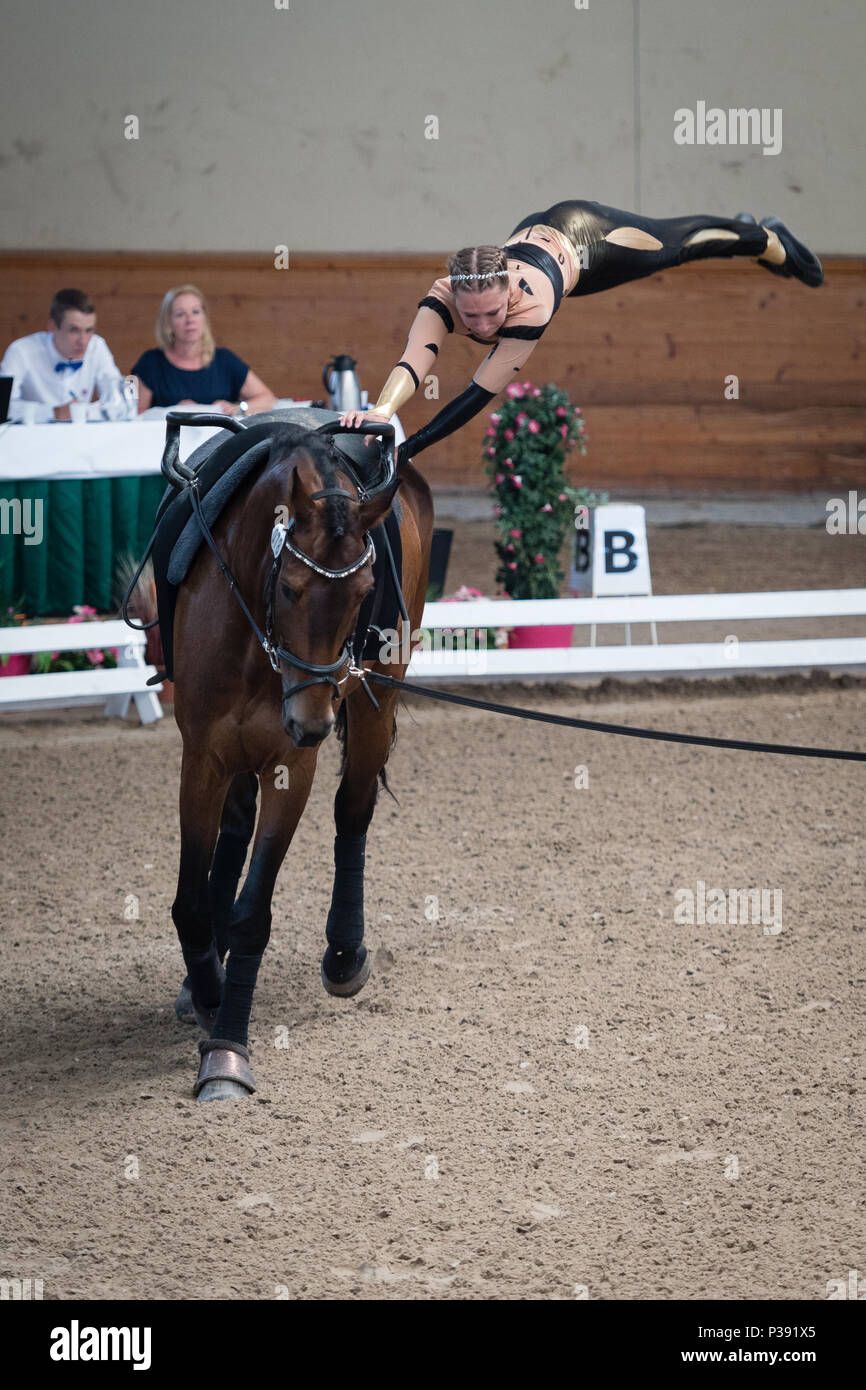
[321, 673]
[186, 481]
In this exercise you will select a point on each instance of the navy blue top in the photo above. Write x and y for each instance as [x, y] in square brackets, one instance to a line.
[221, 381]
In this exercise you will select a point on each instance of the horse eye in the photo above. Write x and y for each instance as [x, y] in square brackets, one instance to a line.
[288, 591]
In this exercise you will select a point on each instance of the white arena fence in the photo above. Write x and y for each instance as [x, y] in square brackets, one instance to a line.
[695, 658]
[114, 687]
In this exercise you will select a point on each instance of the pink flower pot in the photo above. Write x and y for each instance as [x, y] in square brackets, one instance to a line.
[523, 637]
[17, 665]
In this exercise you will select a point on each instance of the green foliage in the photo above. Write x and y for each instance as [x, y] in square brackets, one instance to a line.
[526, 446]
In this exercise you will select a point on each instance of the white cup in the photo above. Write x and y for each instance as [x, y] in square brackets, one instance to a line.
[25, 412]
[78, 412]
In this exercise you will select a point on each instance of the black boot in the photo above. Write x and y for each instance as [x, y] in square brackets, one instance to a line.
[799, 263]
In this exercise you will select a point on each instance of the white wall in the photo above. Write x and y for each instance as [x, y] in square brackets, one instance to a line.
[306, 126]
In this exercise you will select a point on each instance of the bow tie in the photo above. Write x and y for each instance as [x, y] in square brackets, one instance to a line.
[68, 366]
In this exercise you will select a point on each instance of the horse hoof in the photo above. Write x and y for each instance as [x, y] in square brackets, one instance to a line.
[224, 1072]
[205, 1018]
[188, 1011]
[222, 1090]
[183, 1004]
[345, 973]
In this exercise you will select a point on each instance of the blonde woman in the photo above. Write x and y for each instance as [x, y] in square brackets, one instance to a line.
[187, 368]
[505, 296]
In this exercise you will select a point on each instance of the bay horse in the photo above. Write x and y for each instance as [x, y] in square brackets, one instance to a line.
[249, 724]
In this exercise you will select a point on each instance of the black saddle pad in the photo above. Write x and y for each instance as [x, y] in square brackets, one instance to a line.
[222, 465]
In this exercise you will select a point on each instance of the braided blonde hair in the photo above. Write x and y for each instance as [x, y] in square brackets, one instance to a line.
[477, 268]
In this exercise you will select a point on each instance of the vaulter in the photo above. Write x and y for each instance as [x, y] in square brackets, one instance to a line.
[505, 296]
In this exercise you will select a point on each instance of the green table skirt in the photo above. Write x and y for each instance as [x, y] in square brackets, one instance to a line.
[88, 527]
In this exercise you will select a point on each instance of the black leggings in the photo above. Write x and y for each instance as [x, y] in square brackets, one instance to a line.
[604, 264]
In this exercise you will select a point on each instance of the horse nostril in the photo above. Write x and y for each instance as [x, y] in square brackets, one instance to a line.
[308, 735]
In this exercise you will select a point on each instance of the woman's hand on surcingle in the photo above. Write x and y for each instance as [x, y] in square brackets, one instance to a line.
[351, 419]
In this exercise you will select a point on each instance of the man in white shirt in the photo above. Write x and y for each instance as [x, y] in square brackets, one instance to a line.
[61, 366]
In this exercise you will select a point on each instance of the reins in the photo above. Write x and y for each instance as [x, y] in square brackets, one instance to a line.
[596, 726]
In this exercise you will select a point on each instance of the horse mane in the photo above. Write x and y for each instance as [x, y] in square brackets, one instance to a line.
[289, 438]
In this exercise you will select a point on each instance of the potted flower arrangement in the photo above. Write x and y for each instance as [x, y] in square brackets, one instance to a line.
[473, 638]
[13, 663]
[525, 448]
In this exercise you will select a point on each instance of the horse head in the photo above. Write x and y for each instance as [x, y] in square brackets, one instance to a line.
[323, 570]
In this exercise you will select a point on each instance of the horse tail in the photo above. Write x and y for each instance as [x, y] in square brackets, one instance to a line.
[383, 777]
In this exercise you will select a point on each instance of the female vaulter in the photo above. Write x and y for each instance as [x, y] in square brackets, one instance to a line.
[504, 297]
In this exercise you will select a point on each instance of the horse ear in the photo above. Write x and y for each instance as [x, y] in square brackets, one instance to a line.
[375, 511]
[300, 500]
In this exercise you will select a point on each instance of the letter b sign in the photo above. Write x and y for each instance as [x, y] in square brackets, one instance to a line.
[620, 556]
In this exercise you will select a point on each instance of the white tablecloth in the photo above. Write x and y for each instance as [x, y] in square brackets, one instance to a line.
[61, 451]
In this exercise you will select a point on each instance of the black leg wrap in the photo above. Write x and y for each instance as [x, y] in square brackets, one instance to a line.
[233, 1019]
[204, 974]
[345, 925]
[228, 863]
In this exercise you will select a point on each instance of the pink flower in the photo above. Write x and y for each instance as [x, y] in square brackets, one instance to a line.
[515, 533]
[510, 548]
[95, 658]
[496, 418]
[539, 559]
[463, 595]
[489, 432]
[535, 391]
[521, 419]
[514, 391]
[547, 507]
[534, 427]
[500, 478]
[517, 480]
[561, 412]
[563, 497]
[509, 463]
[491, 453]
[511, 565]
[497, 511]
[509, 435]
[577, 410]
[527, 385]
[563, 430]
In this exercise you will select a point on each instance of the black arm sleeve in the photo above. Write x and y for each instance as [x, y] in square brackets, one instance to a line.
[449, 419]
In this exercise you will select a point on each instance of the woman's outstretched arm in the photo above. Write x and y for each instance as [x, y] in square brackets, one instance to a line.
[499, 368]
[430, 328]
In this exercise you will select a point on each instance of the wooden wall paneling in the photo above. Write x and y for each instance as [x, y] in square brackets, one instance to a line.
[646, 362]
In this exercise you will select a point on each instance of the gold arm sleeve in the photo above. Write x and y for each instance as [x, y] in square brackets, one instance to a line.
[398, 389]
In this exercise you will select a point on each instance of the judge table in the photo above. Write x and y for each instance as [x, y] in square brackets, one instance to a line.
[75, 500]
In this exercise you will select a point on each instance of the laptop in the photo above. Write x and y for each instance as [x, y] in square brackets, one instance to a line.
[5, 396]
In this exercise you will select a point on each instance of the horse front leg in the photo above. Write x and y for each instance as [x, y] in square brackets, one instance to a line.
[369, 734]
[235, 833]
[225, 1071]
[202, 792]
